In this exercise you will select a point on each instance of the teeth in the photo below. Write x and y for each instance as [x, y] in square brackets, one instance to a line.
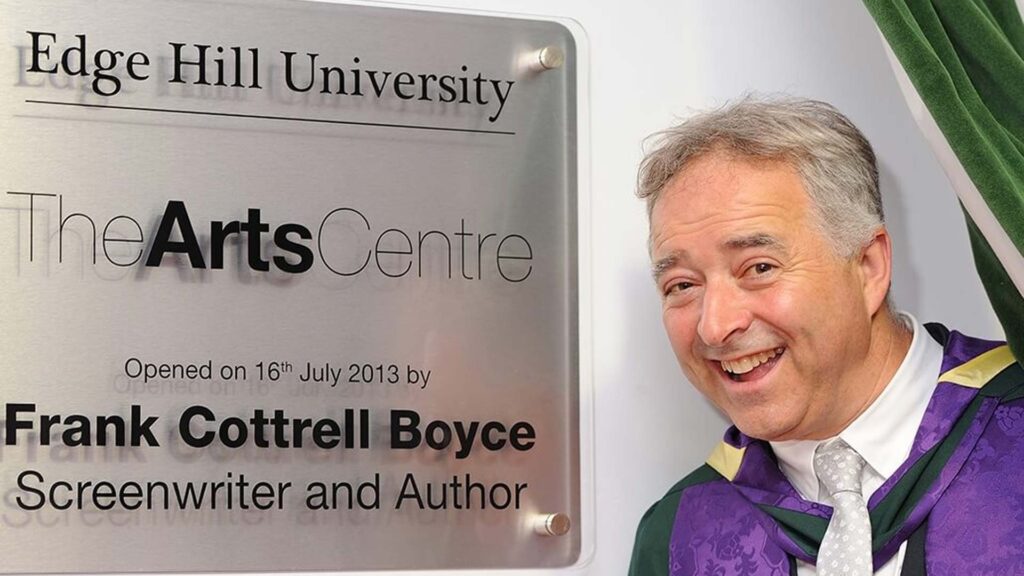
[748, 363]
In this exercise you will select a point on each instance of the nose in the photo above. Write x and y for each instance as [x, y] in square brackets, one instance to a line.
[724, 314]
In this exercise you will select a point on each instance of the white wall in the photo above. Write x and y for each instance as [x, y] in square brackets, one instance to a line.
[654, 61]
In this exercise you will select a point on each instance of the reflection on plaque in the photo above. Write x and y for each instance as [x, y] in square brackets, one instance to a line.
[295, 297]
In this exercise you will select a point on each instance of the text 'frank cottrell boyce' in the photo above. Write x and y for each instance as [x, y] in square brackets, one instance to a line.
[199, 426]
[240, 67]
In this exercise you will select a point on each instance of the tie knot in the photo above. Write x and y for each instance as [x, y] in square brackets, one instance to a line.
[838, 467]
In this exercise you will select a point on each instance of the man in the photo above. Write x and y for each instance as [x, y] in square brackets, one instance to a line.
[863, 442]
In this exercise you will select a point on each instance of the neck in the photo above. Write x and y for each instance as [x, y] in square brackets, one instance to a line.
[890, 342]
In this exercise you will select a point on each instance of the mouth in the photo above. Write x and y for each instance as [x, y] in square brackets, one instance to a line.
[751, 367]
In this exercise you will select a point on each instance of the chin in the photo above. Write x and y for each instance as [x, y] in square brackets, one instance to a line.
[764, 428]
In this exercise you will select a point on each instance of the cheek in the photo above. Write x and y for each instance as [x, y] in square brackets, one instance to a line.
[681, 328]
[682, 334]
[797, 308]
[778, 311]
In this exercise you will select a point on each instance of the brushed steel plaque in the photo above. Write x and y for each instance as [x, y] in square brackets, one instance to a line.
[286, 286]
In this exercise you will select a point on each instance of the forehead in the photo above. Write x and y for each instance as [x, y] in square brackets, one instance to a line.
[719, 196]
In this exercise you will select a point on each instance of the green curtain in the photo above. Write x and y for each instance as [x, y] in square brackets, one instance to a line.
[966, 60]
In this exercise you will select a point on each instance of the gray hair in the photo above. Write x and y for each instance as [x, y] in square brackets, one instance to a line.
[832, 156]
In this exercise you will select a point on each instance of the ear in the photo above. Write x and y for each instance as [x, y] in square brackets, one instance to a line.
[876, 270]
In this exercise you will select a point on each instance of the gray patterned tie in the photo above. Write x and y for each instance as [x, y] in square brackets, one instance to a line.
[846, 548]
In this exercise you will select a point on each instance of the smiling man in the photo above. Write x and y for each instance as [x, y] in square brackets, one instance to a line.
[863, 442]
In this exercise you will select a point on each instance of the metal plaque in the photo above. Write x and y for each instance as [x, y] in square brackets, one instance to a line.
[286, 286]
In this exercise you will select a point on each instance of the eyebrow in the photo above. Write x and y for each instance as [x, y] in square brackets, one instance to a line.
[756, 240]
[664, 264]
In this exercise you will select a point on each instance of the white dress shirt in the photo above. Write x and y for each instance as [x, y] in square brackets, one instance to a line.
[883, 434]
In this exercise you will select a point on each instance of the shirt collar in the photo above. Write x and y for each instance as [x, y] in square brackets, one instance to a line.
[884, 433]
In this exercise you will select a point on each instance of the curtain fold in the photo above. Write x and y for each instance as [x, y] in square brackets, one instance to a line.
[964, 58]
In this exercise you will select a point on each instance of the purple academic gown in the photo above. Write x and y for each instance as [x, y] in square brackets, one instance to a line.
[958, 498]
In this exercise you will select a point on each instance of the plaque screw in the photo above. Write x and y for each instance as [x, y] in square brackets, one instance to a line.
[552, 524]
[551, 57]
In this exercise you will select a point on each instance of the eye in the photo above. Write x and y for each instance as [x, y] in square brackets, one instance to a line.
[678, 287]
[760, 271]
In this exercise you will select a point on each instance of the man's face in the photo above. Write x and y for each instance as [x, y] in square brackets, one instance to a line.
[765, 318]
